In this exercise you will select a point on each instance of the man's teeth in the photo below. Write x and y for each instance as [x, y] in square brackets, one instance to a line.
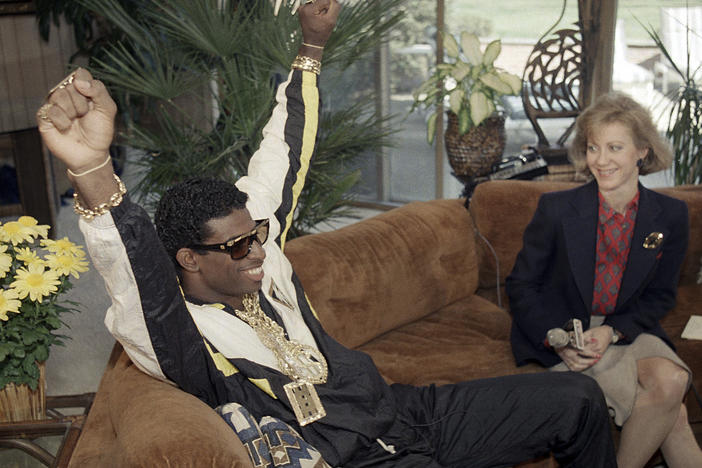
[255, 271]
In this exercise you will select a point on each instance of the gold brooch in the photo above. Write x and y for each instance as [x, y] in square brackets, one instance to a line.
[653, 240]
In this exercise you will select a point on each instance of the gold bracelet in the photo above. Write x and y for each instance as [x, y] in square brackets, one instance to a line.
[312, 45]
[90, 170]
[102, 208]
[302, 62]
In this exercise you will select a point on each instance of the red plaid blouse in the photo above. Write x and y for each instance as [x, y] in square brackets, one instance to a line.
[614, 232]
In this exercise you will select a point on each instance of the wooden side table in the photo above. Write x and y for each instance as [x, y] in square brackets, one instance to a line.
[21, 435]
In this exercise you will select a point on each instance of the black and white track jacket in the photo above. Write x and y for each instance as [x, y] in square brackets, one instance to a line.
[204, 348]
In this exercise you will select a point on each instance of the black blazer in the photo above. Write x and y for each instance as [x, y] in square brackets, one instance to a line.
[553, 277]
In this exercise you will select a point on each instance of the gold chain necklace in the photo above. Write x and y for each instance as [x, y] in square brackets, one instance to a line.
[302, 363]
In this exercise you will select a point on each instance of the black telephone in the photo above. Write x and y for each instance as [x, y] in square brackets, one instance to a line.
[523, 166]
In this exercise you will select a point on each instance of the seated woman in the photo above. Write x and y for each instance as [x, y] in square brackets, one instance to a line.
[609, 254]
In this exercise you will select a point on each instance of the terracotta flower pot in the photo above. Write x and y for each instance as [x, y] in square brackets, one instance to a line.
[473, 154]
[21, 403]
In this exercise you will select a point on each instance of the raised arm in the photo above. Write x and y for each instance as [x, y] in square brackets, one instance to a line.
[278, 169]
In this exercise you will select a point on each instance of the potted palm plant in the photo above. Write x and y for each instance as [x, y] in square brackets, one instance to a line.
[473, 87]
[685, 119]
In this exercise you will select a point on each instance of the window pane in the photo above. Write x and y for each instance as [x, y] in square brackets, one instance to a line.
[342, 90]
[411, 57]
[641, 70]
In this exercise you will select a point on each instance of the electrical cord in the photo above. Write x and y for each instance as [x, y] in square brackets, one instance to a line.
[494, 254]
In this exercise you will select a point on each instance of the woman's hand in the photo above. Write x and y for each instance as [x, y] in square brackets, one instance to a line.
[77, 121]
[578, 360]
[598, 339]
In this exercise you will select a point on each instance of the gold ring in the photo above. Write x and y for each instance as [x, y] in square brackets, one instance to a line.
[62, 85]
[43, 112]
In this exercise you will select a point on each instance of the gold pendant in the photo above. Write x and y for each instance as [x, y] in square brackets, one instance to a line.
[305, 402]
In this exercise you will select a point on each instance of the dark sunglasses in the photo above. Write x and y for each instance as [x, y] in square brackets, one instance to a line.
[240, 247]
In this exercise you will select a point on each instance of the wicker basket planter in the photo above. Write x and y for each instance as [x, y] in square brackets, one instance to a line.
[21, 403]
[474, 153]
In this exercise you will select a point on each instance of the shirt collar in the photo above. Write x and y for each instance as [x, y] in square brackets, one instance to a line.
[606, 212]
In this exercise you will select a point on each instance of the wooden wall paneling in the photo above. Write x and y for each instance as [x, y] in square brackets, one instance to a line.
[13, 75]
[5, 106]
[35, 190]
[31, 67]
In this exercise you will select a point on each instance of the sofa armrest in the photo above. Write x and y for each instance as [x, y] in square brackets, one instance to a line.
[154, 423]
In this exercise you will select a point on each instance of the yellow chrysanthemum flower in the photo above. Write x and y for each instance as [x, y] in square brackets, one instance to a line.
[41, 230]
[5, 261]
[16, 233]
[8, 303]
[63, 247]
[28, 256]
[35, 282]
[78, 252]
[66, 264]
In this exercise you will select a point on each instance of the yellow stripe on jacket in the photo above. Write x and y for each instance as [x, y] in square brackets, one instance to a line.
[310, 96]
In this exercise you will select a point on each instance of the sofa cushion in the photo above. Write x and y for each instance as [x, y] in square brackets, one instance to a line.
[501, 210]
[465, 340]
[407, 263]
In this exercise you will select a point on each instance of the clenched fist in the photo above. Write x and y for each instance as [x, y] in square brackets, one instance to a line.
[77, 121]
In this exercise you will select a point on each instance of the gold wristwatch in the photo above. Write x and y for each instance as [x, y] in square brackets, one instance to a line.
[615, 335]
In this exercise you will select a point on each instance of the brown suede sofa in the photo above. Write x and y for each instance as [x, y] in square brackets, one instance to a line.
[415, 287]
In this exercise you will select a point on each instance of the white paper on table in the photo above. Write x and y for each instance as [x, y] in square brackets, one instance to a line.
[693, 329]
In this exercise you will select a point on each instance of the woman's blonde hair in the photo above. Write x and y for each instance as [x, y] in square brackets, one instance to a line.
[618, 107]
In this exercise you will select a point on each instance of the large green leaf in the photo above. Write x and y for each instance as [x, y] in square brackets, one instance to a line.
[479, 108]
[471, 48]
[512, 80]
[431, 127]
[492, 50]
[460, 70]
[464, 120]
[208, 26]
[5, 349]
[456, 100]
[451, 46]
[493, 81]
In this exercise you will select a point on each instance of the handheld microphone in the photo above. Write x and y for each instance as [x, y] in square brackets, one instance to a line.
[557, 338]
[570, 335]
